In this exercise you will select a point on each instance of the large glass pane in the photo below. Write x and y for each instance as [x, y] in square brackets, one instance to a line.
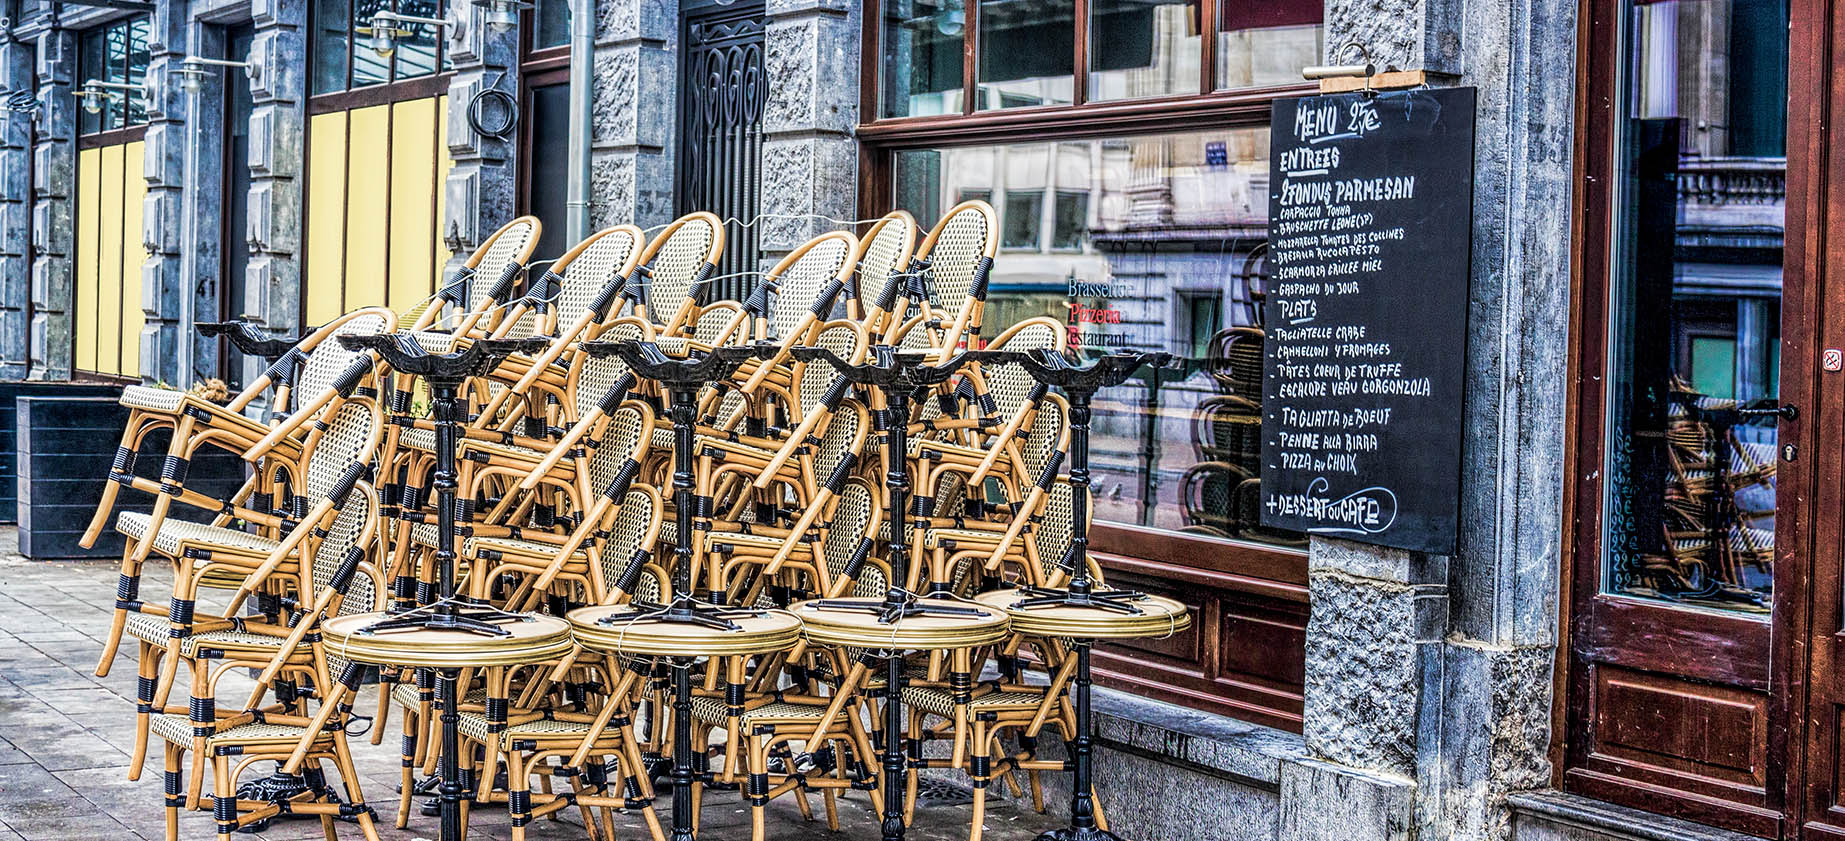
[550, 24]
[91, 49]
[1151, 242]
[416, 55]
[368, 67]
[134, 62]
[1267, 42]
[1695, 306]
[332, 31]
[922, 43]
[550, 172]
[1027, 52]
[1139, 49]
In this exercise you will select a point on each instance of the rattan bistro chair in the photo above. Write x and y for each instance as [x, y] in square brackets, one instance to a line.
[884, 253]
[299, 386]
[674, 274]
[469, 301]
[339, 451]
[952, 266]
[340, 581]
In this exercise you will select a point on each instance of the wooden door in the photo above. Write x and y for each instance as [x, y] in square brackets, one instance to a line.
[1816, 167]
[1699, 291]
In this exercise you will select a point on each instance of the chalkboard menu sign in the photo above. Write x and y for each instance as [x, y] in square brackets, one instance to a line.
[1370, 229]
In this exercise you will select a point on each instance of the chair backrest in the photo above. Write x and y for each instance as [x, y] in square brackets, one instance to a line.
[848, 527]
[624, 438]
[329, 359]
[1234, 358]
[678, 262]
[802, 278]
[633, 531]
[347, 436]
[502, 255]
[884, 251]
[1010, 386]
[846, 340]
[1051, 535]
[591, 377]
[1046, 436]
[960, 251]
[351, 531]
[845, 435]
[588, 269]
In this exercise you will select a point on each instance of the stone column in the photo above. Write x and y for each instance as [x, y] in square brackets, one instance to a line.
[483, 183]
[15, 209]
[636, 105]
[54, 165]
[809, 158]
[164, 166]
[278, 124]
[1428, 691]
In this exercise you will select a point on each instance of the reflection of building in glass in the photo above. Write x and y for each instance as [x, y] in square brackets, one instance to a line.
[1146, 243]
[1707, 142]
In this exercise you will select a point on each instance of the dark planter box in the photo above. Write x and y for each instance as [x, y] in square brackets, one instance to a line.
[9, 430]
[65, 446]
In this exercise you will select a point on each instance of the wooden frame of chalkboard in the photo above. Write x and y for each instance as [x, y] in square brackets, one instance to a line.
[1371, 231]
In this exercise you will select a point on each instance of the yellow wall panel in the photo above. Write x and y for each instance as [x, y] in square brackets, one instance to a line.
[134, 254]
[413, 174]
[367, 201]
[83, 301]
[444, 163]
[326, 222]
[109, 273]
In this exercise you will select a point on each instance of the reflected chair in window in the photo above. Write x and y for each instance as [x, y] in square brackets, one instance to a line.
[1234, 359]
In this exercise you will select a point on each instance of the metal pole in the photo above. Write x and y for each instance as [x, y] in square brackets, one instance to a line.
[582, 54]
[188, 226]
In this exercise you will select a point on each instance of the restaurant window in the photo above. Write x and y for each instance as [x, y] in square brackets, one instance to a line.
[1029, 53]
[117, 53]
[1133, 235]
[344, 61]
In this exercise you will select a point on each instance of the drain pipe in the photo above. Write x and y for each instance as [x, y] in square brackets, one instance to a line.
[582, 56]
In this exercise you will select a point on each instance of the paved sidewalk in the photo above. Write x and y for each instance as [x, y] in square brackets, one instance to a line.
[66, 737]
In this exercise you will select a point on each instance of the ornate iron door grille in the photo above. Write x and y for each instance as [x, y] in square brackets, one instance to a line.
[720, 132]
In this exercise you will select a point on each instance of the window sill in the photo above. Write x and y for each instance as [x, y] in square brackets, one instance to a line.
[1214, 744]
[1607, 820]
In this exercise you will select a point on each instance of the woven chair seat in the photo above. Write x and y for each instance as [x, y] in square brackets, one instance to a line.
[474, 726]
[233, 640]
[417, 439]
[941, 701]
[147, 628]
[174, 535]
[760, 541]
[406, 695]
[713, 711]
[152, 398]
[962, 538]
[508, 450]
[178, 730]
[527, 548]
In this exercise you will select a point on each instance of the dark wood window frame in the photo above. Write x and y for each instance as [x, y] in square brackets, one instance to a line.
[114, 136]
[1640, 638]
[1242, 595]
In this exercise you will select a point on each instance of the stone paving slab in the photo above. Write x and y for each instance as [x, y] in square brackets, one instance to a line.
[67, 735]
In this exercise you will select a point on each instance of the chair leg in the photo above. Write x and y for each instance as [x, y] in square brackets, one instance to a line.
[175, 791]
[408, 782]
[349, 780]
[144, 700]
[519, 793]
[223, 797]
[978, 770]
[758, 783]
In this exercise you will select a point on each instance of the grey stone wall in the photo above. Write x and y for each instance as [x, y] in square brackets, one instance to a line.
[164, 165]
[482, 184]
[278, 123]
[54, 165]
[1436, 671]
[809, 157]
[15, 209]
[636, 76]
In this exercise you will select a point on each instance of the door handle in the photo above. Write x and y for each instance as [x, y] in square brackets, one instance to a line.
[1784, 411]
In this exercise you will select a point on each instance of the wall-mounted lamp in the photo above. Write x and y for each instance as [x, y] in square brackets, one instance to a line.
[94, 92]
[503, 15]
[192, 71]
[388, 26]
